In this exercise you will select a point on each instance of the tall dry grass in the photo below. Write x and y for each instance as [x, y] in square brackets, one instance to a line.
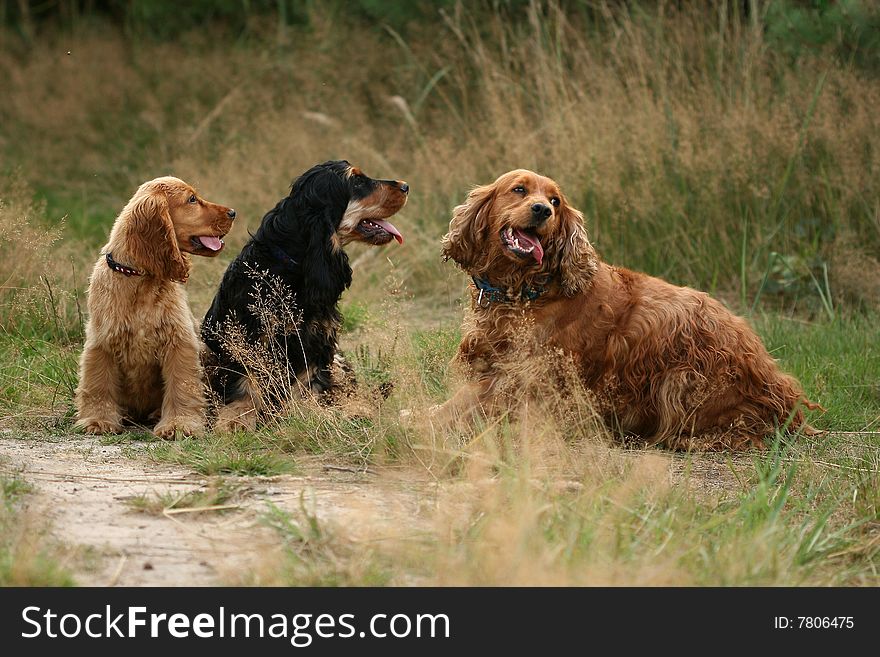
[524, 502]
[38, 269]
[41, 323]
[695, 150]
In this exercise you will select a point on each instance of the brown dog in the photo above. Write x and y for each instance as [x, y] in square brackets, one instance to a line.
[667, 363]
[141, 355]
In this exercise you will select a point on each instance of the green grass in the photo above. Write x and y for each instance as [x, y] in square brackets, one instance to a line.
[27, 556]
[354, 316]
[37, 378]
[88, 214]
[242, 454]
[792, 523]
[218, 496]
[273, 450]
[313, 556]
[434, 351]
[837, 362]
[12, 488]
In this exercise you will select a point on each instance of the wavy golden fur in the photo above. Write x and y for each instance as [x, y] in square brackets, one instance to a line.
[141, 356]
[669, 364]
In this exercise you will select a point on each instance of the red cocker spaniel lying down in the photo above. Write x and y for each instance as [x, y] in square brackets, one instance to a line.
[141, 357]
[669, 364]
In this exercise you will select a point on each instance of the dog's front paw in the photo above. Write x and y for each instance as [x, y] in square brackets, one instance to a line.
[237, 416]
[233, 423]
[98, 426]
[186, 426]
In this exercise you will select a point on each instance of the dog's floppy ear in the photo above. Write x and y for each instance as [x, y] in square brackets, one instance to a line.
[326, 272]
[573, 257]
[470, 220]
[150, 239]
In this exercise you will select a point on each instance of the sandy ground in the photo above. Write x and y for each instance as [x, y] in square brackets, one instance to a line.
[84, 489]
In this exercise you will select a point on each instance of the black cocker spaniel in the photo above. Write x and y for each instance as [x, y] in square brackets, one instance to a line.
[273, 324]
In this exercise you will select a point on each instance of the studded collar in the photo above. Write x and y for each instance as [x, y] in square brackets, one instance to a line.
[122, 269]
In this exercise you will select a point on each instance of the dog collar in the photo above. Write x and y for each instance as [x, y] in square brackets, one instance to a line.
[488, 293]
[122, 269]
[281, 256]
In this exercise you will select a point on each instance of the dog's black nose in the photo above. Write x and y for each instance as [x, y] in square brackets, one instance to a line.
[404, 187]
[541, 212]
[230, 213]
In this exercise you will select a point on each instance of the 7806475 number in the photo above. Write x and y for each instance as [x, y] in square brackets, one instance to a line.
[814, 622]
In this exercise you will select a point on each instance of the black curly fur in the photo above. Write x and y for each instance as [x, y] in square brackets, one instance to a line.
[295, 242]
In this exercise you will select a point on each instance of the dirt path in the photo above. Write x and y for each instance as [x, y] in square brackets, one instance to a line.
[84, 490]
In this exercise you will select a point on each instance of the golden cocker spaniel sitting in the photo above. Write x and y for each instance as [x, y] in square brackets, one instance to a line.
[666, 363]
[141, 356]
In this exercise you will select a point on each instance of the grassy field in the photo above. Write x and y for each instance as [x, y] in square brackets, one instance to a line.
[701, 147]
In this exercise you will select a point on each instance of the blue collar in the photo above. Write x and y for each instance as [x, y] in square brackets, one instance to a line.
[488, 293]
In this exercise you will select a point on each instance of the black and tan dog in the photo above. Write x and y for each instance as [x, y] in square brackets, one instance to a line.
[299, 244]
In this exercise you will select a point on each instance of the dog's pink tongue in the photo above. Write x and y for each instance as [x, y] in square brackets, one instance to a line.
[390, 228]
[212, 243]
[531, 240]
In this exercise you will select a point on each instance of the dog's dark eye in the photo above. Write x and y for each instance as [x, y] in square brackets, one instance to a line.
[192, 198]
[554, 202]
[519, 189]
